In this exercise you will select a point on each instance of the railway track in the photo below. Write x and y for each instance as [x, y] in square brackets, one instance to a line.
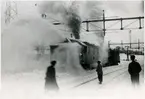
[83, 83]
[105, 84]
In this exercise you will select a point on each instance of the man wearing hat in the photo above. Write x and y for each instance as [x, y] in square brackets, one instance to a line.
[99, 72]
[50, 79]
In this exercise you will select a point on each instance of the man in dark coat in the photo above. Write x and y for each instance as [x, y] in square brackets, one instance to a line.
[50, 79]
[99, 72]
[134, 69]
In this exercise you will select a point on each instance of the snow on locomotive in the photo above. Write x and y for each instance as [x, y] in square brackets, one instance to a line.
[88, 53]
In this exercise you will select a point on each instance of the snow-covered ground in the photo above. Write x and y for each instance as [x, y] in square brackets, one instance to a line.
[23, 75]
[30, 85]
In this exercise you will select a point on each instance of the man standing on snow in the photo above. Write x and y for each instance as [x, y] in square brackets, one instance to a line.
[134, 69]
[99, 72]
[50, 79]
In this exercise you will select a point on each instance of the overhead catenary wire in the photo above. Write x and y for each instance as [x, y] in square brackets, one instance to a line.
[95, 25]
[112, 24]
[130, 24]
[83, 28]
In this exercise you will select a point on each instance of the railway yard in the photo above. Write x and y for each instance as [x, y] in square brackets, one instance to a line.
[64, 49]
[115, 78]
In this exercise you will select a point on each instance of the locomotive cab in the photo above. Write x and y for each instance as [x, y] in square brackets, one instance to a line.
[89, 56]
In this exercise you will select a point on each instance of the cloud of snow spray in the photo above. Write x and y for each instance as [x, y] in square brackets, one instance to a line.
[72, 13]
[19, 43]
[68, 59]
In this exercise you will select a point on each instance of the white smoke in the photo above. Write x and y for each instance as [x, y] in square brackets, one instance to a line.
[19, 43]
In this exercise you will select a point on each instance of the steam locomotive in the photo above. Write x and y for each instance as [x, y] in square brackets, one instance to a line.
[89, 54]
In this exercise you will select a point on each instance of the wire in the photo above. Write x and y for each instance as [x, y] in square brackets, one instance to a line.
[95, 25]
[112, 32]
[113, 24]
[83, 28]
[95, 30]
[130, 24]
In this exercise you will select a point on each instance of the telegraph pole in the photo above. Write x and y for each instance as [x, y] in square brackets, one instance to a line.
[104, 22]
[121, 44]
[130, 37]
[127, 53]
[108, 44]
[138, 44]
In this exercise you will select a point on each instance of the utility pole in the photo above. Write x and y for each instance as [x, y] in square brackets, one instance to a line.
[121, 44]
[11, 11]
[87, 26]
[138, 44]
[108, 44]
[130, 37]
[127, 53]
[104, 22]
